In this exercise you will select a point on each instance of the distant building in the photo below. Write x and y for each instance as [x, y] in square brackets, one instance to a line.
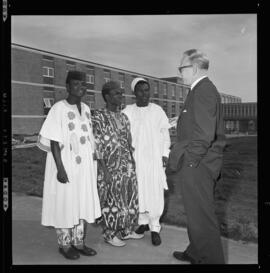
[173, 79]
[38, 81]
[240, 117]
[229, 98]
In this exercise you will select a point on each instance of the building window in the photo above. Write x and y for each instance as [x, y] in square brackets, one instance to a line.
[173, 91]
[90, 99]
[48, 102]
[222, 99]
[165, 106]
[90, 96]
[107, 76]
[173, 110]
[92, 105]
[155, 87]
[165, 89]
[48, 89]
[48, 72]
[180, 107]
[47, 58]
[181, 93]
[90, 76]
[122, 80]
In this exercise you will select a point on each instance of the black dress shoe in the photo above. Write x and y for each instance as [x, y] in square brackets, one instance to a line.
[69, 253]
[86, 251]
[141, 229]
[183, 256]
[156, 240]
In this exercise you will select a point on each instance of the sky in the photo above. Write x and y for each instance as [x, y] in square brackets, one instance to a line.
[152, 44]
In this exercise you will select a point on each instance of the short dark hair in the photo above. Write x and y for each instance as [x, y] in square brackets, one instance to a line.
[107, 87]
[75, 75]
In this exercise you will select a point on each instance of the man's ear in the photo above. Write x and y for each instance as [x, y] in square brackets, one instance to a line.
[195, 68]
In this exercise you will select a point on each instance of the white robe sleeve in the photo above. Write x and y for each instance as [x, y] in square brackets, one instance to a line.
[165, 135]
[51, 129]
[166, 141]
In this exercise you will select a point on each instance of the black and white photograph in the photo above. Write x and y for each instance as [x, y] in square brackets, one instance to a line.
[134, 139]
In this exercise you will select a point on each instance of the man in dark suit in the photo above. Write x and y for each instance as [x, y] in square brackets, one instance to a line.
[196, 160]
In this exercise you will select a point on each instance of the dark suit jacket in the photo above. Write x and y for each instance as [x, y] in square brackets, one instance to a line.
[200, 133]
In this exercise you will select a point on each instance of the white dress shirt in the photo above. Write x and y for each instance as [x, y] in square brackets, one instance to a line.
[195, 82]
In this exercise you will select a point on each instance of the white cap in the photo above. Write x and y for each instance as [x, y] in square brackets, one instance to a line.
[135, 81]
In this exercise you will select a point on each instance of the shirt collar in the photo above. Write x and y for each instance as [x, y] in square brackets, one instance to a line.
[194, 83]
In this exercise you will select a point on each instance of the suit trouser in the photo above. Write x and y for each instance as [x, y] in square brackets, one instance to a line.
[197, 189]
[71, 236]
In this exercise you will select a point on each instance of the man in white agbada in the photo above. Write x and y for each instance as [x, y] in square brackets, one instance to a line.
[70, 194]
[151, 140]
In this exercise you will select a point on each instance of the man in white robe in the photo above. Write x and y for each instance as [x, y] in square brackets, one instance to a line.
[151, 140]
[70, 197]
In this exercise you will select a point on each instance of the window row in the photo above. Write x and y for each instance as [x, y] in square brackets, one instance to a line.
[228, 99]
[48, 72]
[240, 111]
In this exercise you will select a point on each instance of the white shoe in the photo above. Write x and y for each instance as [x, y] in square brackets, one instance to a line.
[115, 242]
[133, 235]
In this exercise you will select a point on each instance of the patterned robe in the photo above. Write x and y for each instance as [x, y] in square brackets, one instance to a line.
[118, 197]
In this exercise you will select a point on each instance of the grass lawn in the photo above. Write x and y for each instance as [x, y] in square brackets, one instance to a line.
[235, 194]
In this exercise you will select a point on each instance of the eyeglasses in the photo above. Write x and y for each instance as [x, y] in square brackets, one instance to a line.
[180, 68]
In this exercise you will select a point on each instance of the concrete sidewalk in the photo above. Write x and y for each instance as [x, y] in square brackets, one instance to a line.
[35, 244]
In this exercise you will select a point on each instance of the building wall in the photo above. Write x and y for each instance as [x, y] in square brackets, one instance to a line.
[26, 66]
[27, 92]
[33, 89]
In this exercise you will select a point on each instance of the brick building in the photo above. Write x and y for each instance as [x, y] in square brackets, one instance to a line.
[240, 117]
[38, 81]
